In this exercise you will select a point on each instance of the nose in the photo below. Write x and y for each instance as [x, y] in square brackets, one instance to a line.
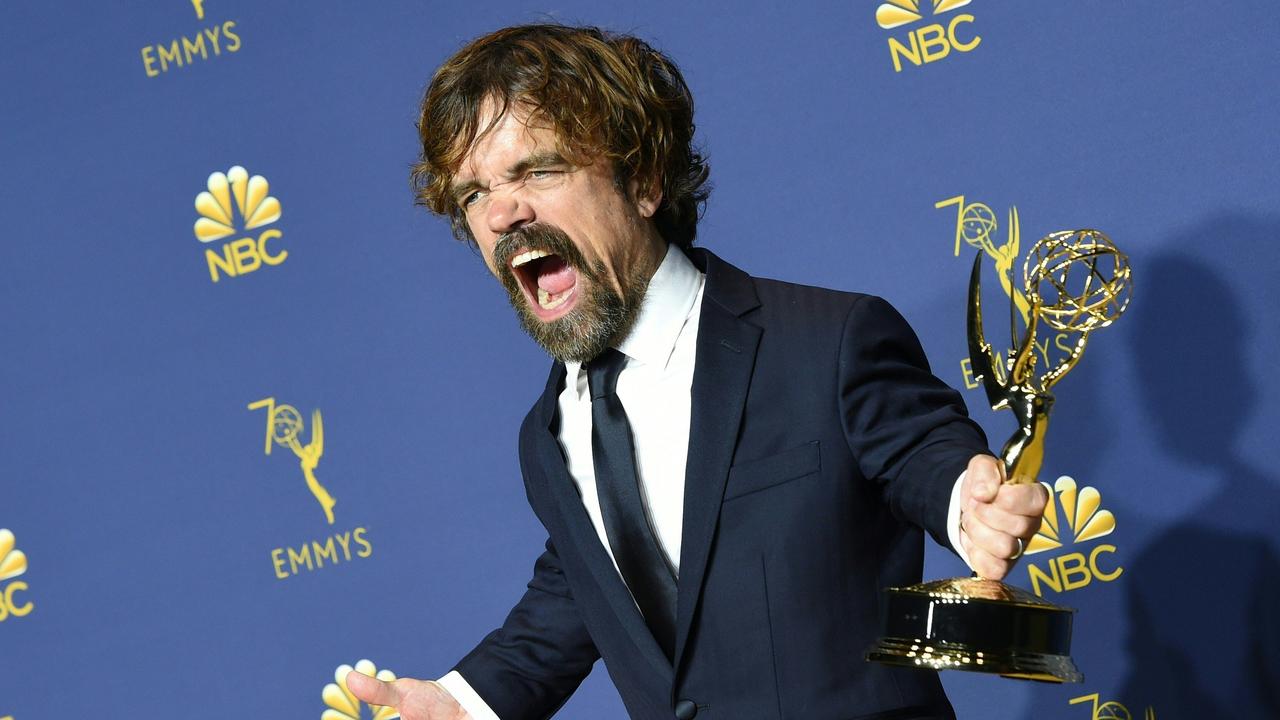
[508, 211]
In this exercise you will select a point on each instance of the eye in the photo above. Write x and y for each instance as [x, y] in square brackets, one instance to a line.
[542, 174]
[471, 199]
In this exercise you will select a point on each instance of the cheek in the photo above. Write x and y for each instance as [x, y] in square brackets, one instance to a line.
[486, 254]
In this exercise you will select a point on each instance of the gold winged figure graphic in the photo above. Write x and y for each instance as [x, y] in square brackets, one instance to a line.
[284, 424]
[309, 458]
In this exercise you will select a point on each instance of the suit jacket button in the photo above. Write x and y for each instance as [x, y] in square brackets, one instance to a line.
[686, 710]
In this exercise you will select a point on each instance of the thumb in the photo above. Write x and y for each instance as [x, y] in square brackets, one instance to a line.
[984, 478]
[372, 691]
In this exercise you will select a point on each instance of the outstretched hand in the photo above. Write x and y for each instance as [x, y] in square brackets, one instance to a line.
[997, 521]
[414, 699]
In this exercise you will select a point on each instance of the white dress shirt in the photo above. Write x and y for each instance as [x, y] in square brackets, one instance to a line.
[654, 390]
[653, 386]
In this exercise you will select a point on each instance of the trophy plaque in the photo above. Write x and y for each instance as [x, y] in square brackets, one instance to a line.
[1075, 281]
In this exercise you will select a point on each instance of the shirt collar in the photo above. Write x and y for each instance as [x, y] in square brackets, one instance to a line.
[665, 308]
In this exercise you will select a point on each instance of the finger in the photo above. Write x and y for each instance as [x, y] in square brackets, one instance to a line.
[989, 566]
[994, 542]
[1000, 520]
[374, 692]
[1028, 500]
[982, 562]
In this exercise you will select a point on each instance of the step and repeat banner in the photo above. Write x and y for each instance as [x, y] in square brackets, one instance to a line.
[259, 412]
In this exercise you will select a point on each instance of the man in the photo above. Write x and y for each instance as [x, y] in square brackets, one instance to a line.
[729, 469]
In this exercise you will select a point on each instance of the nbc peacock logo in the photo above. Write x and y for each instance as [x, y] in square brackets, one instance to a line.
[234, 204]
[1073, 515]
[896, 13]
[13, 563]
[928, 43]
[342, 705]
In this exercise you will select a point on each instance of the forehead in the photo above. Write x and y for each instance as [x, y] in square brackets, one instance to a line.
[503, 142]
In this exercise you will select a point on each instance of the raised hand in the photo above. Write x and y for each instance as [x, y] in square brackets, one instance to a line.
[997, 520]
[414, 699]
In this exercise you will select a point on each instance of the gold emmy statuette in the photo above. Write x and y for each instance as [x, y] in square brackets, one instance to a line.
[286, 425]
[1076, 281]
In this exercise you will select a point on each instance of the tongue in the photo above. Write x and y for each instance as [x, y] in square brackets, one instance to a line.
[555, 276]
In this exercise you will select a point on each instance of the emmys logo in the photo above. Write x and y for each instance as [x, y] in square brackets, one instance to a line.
[976, 226]
[928, 43]
[284, 428]
[254, 207]
[284, 425]
[183, 51]
[345, 706]
[13, 562]
[1082, 519]
[1110, 710]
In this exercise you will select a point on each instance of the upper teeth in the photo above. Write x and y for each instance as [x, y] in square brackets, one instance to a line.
[525, 257]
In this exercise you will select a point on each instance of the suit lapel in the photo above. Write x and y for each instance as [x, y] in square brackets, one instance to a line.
[582, 533]
[726, 354]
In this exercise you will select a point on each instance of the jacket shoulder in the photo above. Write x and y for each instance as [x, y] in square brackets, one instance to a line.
[773, 291]
[815, 309]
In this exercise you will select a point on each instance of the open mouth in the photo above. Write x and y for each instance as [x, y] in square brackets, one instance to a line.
[549, 282]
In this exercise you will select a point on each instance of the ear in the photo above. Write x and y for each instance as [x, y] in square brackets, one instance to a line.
[647, 196]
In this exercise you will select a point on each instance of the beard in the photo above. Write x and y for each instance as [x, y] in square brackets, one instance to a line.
[601, 316]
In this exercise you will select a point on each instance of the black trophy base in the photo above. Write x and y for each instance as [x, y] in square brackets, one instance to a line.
[977, 625]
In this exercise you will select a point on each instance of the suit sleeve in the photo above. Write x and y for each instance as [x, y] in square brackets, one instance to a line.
[527, 668]
[909, 431]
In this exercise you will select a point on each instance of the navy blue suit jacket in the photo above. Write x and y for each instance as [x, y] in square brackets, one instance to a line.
[819, 446]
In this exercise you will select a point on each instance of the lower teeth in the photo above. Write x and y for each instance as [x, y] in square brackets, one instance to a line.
[547, 303]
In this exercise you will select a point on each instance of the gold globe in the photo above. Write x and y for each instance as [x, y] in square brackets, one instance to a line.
[286, 424]
[977, 225]
[1079, 279]
[1112, 711]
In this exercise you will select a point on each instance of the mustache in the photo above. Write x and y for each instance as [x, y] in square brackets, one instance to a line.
[538, 236]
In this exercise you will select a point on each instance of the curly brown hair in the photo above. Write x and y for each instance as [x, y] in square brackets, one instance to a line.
[605, 95]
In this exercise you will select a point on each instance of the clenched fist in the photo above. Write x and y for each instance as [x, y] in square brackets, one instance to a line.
[997, 520]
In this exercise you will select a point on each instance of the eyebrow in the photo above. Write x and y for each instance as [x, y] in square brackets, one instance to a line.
[538, 159]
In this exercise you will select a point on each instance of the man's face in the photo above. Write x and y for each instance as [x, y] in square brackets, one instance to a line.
[574, 251]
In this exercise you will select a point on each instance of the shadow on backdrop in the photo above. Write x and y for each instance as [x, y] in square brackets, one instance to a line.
[1204, 634]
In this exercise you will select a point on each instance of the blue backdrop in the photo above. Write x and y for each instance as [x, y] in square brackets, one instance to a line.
[160, 562]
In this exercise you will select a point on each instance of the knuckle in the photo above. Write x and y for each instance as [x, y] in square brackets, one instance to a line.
[1008, 546]
[1011, 499]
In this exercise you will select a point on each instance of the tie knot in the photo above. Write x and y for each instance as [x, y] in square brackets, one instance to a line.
[602, 373]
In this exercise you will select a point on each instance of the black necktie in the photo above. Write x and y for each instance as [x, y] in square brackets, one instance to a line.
[635, 545]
